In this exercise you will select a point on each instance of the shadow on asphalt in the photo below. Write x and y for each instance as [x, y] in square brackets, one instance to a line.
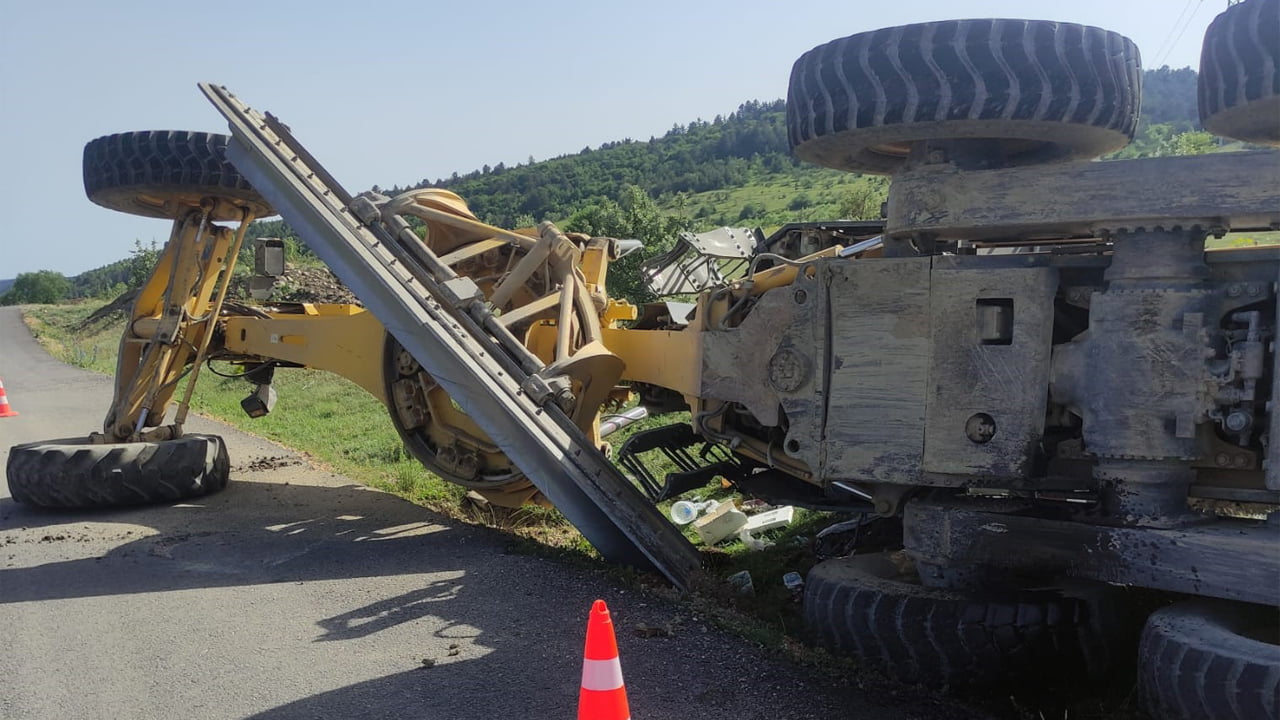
[251, 533]
[508, 607]
[261, 533]
[506, 613]
[444, 694]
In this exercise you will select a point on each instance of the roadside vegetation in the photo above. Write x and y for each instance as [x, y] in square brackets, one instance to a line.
[734, 170]
[314, 404]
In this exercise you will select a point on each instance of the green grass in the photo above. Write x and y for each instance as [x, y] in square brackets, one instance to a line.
[1244, 240]
[339, 426]
[327, 417]
[59, 329]
[770, 201]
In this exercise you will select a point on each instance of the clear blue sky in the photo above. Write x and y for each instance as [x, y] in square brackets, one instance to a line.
[390, 92]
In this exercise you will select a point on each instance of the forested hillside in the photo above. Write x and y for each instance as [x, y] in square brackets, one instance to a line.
[732, 169]
[733, 151]
[1169, 97]
[726, 152]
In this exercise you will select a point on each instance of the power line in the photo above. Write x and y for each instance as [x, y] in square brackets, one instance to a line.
[1185, 25]
[1172, 29]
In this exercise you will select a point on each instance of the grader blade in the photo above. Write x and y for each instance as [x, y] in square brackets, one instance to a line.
[409, 290]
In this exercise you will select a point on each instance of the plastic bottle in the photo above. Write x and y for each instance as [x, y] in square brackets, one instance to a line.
[684, 512]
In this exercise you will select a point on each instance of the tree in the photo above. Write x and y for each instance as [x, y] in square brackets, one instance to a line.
[863, 200]
[751, 211]
[42, 286]
[142, 260]
[1194, 142]
[799, 202]
[1161, 139]
[633, 216]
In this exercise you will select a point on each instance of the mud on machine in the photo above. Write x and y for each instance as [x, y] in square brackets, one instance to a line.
[1032, 362]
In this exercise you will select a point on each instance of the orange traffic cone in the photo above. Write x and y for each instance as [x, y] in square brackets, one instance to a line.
[5, 410]
[603, 696]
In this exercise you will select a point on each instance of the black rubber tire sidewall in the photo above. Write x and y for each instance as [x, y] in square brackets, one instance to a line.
[1052, 91]
[1239, 80]
[73, 473]
[165, 173]
[950, 640]
[1194, 663]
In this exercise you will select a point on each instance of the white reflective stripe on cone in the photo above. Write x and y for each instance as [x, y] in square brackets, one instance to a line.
[601, 674]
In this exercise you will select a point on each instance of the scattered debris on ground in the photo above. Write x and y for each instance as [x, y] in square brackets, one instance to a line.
[265, 463]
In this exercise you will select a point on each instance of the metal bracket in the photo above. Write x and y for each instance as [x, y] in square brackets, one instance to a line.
[462, 292]
[541, 389]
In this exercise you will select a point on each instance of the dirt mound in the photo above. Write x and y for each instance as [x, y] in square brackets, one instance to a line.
[313, 285]
[301, 284]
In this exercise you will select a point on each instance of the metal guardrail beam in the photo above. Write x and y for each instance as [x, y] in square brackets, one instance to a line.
[542, 441]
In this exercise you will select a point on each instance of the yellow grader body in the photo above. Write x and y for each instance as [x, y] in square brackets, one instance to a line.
[1031, 370]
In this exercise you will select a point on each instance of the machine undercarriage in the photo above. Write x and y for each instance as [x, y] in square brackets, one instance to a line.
[1032, 362]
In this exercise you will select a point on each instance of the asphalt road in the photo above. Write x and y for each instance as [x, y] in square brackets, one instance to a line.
[297, 593]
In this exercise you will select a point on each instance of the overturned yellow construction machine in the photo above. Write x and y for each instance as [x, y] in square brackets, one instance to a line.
[1032, 363]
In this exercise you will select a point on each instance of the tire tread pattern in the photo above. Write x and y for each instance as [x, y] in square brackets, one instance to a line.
[74, 474]
[162, 163]
[1240, 73]
[1194, 664]
[951, 640]
[999, 71]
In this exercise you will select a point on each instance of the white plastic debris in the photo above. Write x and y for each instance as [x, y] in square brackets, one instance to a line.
[770, 519]
[720, 523]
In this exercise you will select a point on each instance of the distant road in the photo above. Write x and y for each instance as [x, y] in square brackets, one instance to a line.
[297, 593]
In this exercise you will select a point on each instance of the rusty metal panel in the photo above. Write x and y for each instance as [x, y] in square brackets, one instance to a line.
[992, 332]
[879, 370]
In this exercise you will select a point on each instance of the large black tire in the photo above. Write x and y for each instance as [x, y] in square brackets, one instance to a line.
[1205, 660]
[867, 607]
[1240, 73]
[1041, 91]
[165, 173]
[74, 473]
